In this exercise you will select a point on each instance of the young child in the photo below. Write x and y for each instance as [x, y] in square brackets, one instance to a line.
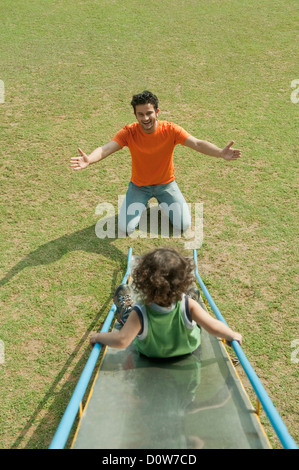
[166, 324]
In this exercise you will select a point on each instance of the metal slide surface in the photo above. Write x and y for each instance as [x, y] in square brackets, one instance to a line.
[196, 401]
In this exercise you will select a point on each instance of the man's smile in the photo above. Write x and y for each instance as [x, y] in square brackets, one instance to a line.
[147, 117]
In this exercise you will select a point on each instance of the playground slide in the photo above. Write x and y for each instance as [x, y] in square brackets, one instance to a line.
[191, 402]
[196, 401]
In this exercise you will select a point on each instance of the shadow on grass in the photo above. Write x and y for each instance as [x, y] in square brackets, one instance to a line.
[82, 240]
[54, 403]
[42, 435]
[85, 240]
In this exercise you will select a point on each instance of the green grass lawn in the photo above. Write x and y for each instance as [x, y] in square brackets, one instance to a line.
[223, 70]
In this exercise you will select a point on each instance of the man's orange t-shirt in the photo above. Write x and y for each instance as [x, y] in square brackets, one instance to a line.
[152, 154]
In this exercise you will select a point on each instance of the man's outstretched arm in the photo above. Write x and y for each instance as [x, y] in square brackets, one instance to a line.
[83, 161]
[207, 148]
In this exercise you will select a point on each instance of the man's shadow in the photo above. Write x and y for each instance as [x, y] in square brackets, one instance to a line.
[87, 240]
[82, 240]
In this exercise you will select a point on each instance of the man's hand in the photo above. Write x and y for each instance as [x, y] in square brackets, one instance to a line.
[207, 148]
[230, 154]
[79, 163]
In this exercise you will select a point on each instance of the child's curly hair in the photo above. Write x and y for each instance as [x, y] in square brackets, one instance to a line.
[162, 276]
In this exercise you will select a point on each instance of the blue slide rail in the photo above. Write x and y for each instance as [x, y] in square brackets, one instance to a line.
[275, 419]
[61, 436]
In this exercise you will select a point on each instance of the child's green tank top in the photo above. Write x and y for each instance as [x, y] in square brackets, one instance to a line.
[167, 332]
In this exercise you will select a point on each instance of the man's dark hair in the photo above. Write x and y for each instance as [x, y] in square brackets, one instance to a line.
[144, 98]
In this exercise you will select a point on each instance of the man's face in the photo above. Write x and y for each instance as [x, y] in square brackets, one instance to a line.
[147, 117]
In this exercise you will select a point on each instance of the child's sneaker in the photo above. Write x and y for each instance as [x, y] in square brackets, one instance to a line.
[194, 293]
[124, 302]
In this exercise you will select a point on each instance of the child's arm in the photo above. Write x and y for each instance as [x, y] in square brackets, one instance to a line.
[210, 324]
[119, 338]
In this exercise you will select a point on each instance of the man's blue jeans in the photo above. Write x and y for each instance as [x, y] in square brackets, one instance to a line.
[169, 197]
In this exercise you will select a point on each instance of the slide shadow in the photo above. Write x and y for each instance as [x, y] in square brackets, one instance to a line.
[42, 435]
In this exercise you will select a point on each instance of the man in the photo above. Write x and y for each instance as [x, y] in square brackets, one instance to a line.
[151, 143]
